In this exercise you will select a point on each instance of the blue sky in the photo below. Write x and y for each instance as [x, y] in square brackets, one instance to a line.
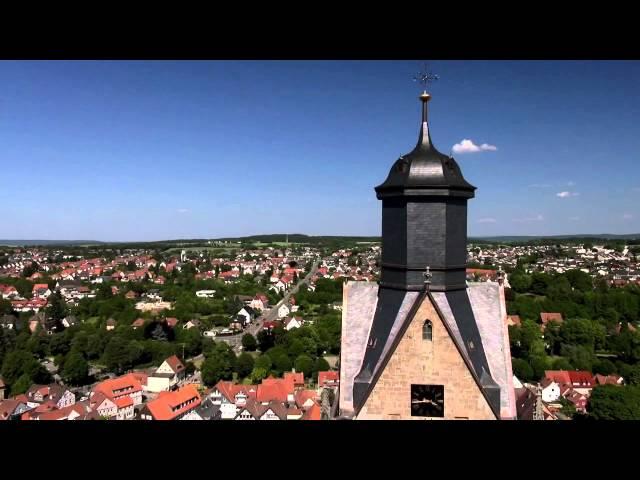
[151, 150]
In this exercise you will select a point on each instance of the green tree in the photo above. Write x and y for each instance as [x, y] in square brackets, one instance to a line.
[76, 369]
[266, 340]
[219, 365]
[604, 367]
[320, 365]
[117, 355]
[104, 292]
[611, 402]
[258, 374]
[244, 365]
[57, 310]
[539, 283]
[21, 385]
[580, 280]
[264, 361]
[5, 307]
[281, 363]
[249, 343]
[304, 364]
[578, 331]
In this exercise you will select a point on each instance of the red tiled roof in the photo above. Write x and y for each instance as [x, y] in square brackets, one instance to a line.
[116, 387]
[312, 413]
[581, 378]
[170, 405]
[303, 396]
[328, 377]
[558, 376]
[174, 362]
[514, 320]
[550, 317]
[296, 378]
[171, 321]
[277, 389]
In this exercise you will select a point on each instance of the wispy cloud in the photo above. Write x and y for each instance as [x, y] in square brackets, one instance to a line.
[574, 219]
[540, 185]
[567, 194]
[571, 183]
[627, 216]
[183, 210]
[535, 218]
[486, 220]
[467, 146]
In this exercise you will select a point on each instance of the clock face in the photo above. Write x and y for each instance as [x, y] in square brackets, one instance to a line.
[427, 400]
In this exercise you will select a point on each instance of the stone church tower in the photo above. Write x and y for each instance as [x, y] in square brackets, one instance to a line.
[424, 344]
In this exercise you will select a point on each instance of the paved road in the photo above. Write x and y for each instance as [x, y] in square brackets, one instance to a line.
[235, 341]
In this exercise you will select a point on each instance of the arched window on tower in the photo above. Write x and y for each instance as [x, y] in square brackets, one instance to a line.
[427, 330]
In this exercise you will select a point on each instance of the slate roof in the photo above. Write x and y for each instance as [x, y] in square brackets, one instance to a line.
[479, 317]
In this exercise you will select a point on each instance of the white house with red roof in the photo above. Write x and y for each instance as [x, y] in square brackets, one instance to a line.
[283, 310]
[166, 375]
[124, 391]
[8, 291]
[180, 404]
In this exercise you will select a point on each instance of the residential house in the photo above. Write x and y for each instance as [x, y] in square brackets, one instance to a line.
[8, 291]
[194, 323]
[514, 320]
[549, 317]
[57, 395]
[111, 324]
[166, 375]
[138, 323]
[328, 379]
[259, 302]
[131, 295]
[69, 321]
[293, 322]
[550, 390]
[205, 293]
[578, 399]
[171, 322]
[103, 405]
[231, 397]
[124, 391]
[3, 388]
[13, 409]
[608, 379]
[181, 404]
[283, 311]
[248, 314]
[41, 290]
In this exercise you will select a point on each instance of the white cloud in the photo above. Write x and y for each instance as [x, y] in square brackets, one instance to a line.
[540, 185]
[627, 216]
[183, 210]
[574, 219]
[567, 194]
[487, 220]
[536, 218]
[571, 184]
[467, 146]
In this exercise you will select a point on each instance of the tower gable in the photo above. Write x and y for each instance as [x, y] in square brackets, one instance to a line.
[433, 366]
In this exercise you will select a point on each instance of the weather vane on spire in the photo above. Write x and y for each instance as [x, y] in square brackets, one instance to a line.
[425, 77]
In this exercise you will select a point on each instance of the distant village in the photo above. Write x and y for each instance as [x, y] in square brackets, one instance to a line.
[266, 279]
[270, 286]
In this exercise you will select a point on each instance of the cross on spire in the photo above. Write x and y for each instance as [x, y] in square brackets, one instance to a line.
[425, 77]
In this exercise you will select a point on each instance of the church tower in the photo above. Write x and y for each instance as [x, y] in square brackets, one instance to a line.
[424, 218]
[423, 343]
